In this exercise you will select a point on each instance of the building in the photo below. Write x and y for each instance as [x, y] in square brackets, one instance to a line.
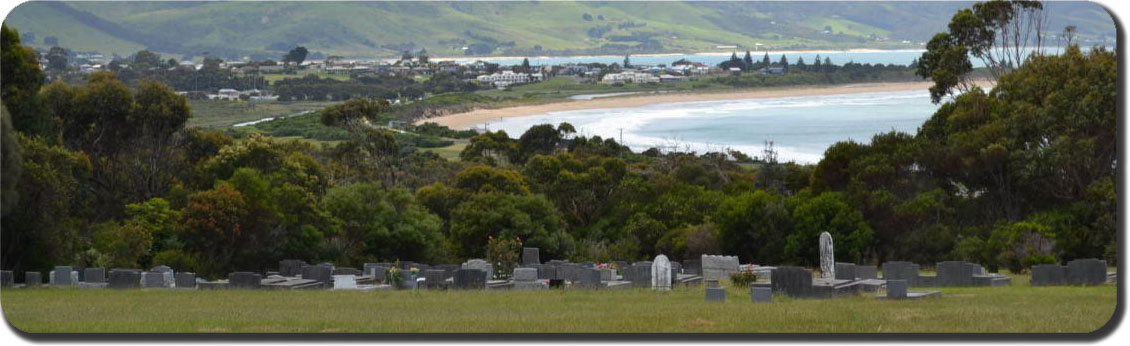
[506, 78]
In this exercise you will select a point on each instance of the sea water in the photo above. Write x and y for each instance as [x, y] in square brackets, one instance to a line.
[800, 128]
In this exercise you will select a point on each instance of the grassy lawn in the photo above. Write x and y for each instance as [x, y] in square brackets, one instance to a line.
[1018, 308]
[218, 114]
[450, 152]
[273, 77]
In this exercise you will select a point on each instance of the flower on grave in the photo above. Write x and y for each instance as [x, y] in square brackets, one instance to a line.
[414, 270]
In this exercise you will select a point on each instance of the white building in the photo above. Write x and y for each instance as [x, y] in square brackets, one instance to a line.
[629, 77]
[505, 78]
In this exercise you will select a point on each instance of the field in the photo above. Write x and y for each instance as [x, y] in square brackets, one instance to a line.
[219, 114]
[1018, 308]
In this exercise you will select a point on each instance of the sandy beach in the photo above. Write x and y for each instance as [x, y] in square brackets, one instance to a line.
[470, 119]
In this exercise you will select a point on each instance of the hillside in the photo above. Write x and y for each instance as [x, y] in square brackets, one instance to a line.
[383, 29]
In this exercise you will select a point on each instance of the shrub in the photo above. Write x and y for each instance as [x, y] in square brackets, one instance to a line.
[744, 277]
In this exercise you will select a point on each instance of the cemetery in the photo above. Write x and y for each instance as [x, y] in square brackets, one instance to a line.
[708, 282]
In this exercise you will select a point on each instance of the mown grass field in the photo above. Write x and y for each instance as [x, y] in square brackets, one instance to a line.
[219, 114]
[1018, 308]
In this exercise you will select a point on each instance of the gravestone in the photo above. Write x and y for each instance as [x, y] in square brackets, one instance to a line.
[345, 282]
[530, 256]
[845, 271]
[33, 280]
[161, 269]
[866, 272]
[478, 264]
[125, 278]
[94, 275]
[1087, 272]
[7, 278]
[793, 281]
[718, 267]
[588, 278]
[569, 271]
[661, 273]
[244, 280]
[291, 267]
[434, 279]
[378, 272]
[1049, 275]
[899, 270]
[547, 271]
[525, 274]
[186, 280]
[896, 289]
[827, 257]
[321, 273]
[470, 279]
[761, 294]
[153, 280]
[608, 274]
[692, 267]
[955, 274]
[346, 271]
[62, 276]
[640, 275]
[715, 294]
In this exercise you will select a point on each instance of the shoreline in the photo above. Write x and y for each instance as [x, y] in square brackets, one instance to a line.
[703, 53]
[466, 120]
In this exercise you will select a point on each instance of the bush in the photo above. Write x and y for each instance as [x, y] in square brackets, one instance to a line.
[743, 278]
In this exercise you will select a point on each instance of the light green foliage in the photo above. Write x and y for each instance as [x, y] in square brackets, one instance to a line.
[382, 224]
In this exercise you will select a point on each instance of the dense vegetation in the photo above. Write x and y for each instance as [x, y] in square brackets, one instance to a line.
[108, 175]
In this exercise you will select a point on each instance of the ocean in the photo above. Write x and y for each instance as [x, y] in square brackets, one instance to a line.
[800, 128]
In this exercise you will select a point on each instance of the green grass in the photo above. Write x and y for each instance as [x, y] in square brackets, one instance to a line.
[1018, 308]
[218, 114]
[274, 77]
[450, 152]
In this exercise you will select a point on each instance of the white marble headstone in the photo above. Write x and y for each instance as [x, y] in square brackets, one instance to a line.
[827, 257]
[661, 273]
[345, 282]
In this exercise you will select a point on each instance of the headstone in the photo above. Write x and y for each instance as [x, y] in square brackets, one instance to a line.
[480, 265]
[896, 289]
[470, 279]
[61, 276]
[1088, 272]
[525, 274]
[718, 267]
[761, 294]
[7, 278]
[608, 274]
[33, 280]
[955, 274]
[588, 278]
[291, 267]
[346, 271]
[866, 272]
[692, 267]
[186, 280]
[898, 270]
[827, 257]
[640, 275]
[530, 256]
[125, 278]
[161, 269]
[244, 280]
[845, 271]
[434, 279]
[321, 273]
[715, 294]
[1048, 275]
[96, 275]
[793, 281]
[345, 282]
[569, 271]
[547, 271]
[377, 271]
[153, 280]
[661, 273]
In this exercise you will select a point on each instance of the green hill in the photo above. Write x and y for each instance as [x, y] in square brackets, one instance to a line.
[382, 29]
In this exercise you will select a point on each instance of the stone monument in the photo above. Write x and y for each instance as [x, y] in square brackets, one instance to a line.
[827, 257]
[661, 273]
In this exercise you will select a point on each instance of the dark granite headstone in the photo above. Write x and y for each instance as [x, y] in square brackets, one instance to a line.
[1049, 275]
[63, 276]
[433, 279]
[95, 275]
[320, 273]
[470, 279]
[763, 294]
[33, 280]
[955, 274]
[794, 281]
[896, 289]
[715, 294]
[7, 278]
[125, 278]
[153, 280]
[244, 280]
[186, 280]
[845, 271]
[899, 270]
[588, 278]
[1087, 272]
[531, 256]
[641, 275]
[547, 271]
[866, 272]
[291, 267]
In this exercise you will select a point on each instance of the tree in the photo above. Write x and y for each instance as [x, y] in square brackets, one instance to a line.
[529, 217]
[356, 117]
[765, 60]
[586, 17]
[827, 212]
[627, 62]
[211, 227]
[57, 59]
[51, 41]
[747, 61]
[422, 56]
[296, 55]
[20, 80]
[383, 224]
[753, 226]
[145, 60]
[525, 68]
[784, 62]
[11, 159]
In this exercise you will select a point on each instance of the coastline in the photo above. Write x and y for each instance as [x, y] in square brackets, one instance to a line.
[703, 53]
[461, 121]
